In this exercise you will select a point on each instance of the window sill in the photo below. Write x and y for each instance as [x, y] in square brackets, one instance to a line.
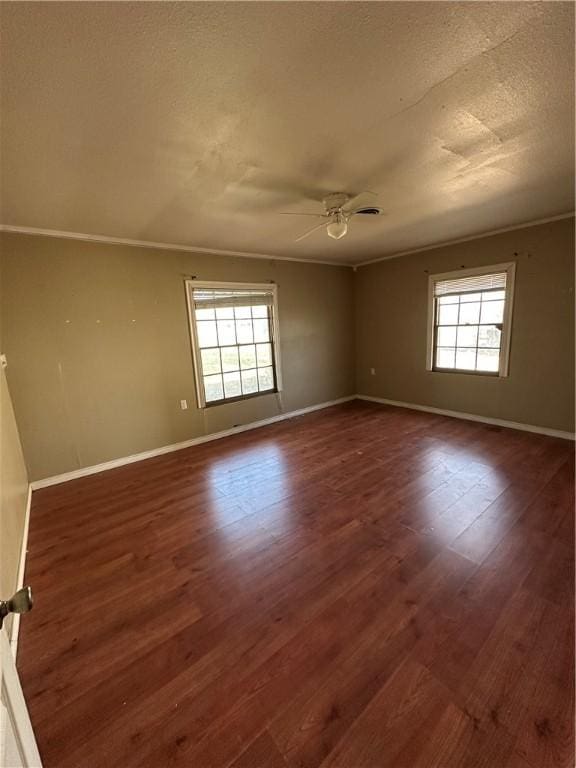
[240, 398]
[462, 372]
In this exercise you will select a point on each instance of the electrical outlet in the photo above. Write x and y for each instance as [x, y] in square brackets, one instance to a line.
[184, 404]
[372, 371]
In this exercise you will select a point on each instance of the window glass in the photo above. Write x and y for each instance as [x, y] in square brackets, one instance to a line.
[234, 345]
[211, 361]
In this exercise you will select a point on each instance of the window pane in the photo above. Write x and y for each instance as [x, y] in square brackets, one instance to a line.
[230, 359]
[489, 336]
[224, 313]
[445, 358]
[249, 382]
[207, 333]
[248, 356]
[242, 312]
[447, 337]
[213, 389]
[488, 360]
[492, 312]
[265, 378]
[467, 335]
[210, 361]
[469, 313]
[448, 314]
[226, 334]
[261, 330]
[264, 354]
[232, 386]
[244, 331]
[234, 352]
[493, 295]
[466, 359]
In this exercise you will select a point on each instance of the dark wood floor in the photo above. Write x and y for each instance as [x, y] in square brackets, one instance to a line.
[363, 586]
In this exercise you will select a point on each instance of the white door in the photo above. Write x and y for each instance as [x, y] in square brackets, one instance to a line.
[18, 748]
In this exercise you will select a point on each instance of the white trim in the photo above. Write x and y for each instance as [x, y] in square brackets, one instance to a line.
[21, 571]
[471, 417]
[163, 246]
[200, 402]
[23, 230]
[446, 243]
[84, 471]
[17, 711]
[270, 287]
[510, 268]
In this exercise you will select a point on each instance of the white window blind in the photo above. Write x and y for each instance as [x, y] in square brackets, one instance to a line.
[205, 298]
[472, 284]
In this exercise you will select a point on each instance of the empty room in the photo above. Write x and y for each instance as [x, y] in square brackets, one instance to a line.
[287, 384]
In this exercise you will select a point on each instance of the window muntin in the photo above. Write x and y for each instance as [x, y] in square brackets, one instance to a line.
[470, 321]
[235, 338]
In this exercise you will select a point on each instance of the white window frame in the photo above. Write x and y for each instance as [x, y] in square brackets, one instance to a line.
[510, 269]
[236, 286]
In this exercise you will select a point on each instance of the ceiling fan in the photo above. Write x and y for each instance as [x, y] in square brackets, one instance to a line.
[337, 213]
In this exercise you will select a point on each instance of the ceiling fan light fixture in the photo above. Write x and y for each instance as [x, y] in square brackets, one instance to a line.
[337, 228]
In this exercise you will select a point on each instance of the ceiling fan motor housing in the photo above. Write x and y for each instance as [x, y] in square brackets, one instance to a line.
[335, 202]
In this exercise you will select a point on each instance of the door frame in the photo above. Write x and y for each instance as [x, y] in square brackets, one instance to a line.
[15, 710]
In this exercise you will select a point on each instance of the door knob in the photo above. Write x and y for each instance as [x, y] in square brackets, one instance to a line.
[20, 602]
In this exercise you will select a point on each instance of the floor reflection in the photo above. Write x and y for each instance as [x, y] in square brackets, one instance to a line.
[251, 482]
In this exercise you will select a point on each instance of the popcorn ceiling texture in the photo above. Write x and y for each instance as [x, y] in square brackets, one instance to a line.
[196, 123]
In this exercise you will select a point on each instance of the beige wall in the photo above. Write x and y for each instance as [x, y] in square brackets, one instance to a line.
[391, 322]
[99, 352]
[13, 495]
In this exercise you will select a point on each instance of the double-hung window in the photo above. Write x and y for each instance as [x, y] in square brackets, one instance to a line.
[234, 330]
[470, 315]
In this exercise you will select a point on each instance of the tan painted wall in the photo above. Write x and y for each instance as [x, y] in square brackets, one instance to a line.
[99, 351]
[391, 317]
[13, 494]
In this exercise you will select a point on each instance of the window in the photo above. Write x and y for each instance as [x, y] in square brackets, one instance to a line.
[234, 330]
[469, 320]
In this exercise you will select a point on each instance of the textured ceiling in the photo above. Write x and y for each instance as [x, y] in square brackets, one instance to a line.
[196, 123]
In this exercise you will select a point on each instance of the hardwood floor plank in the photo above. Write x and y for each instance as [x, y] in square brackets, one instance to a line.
[361, 586]
[262, 753]
[404, 712]
[324, 709]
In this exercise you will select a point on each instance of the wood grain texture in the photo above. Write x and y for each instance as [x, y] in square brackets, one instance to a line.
[360, 587]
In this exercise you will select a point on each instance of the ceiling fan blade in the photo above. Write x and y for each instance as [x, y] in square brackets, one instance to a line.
[310, 231]
[299, 213]
[355, 198]
[361, 209]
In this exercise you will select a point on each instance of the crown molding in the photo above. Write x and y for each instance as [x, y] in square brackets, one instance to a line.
[467, 239]
[21, 230]
[15, 229]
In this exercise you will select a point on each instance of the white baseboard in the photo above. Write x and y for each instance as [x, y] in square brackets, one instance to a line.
[94, 469]
[21, 570]
[472, 417]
